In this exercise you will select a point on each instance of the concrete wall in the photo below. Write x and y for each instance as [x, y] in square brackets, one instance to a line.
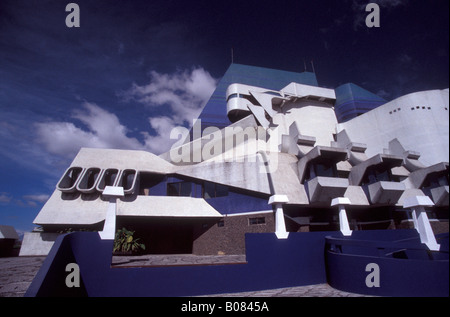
[313, 118]
[37, 243]
[420, 121]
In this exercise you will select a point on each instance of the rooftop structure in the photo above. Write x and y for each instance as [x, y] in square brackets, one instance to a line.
[8, 236]
[214, 113]
[352, 101]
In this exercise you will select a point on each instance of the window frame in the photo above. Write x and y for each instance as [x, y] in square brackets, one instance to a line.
[217, 188]
[179, 189]
[255, 221]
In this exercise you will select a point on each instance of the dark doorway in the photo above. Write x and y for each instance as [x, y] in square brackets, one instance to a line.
[161, 235]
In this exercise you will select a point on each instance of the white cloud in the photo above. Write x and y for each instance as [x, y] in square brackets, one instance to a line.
[160, 142]
[34, 200]
[4, 198]
[41, 198]
[27, 200]
[105, 131]
[183, 95]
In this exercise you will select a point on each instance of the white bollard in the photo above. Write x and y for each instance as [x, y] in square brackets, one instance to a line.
[109, 228]
[417, 205]
[343, 220]
[280, 225]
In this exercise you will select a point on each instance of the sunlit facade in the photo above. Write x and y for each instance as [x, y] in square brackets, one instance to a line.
[272, 153]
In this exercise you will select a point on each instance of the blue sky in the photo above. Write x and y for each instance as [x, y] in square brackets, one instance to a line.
[135, 69]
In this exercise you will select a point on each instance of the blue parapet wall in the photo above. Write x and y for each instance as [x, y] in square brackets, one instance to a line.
[271, 263]
[51, 277]
[403, 266]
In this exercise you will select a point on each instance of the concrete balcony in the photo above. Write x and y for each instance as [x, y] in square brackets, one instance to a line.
[323, 189]
[385, 193]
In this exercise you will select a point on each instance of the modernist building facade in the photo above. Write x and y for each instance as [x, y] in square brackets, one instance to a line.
[272, 151]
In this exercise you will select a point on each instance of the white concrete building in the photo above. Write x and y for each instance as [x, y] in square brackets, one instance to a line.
[276, 166]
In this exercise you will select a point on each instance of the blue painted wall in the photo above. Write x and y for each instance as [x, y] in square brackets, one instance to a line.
[234, 202]
[405, 267]
[352, 100]
[271, 263]
[238, 202]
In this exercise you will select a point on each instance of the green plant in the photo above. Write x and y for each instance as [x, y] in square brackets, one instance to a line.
[125, 242]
